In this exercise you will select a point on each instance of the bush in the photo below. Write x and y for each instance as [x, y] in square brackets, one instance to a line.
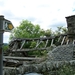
[67, 70]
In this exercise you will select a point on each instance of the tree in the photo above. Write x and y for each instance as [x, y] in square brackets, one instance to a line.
[48, 32]
[61, 30]
[26, 30]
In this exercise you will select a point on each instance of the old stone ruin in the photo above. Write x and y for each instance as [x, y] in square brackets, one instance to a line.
[60, 55]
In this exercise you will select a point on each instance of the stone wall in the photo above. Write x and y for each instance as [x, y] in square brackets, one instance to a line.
[61, 53]
[71, 26]
[56, 58]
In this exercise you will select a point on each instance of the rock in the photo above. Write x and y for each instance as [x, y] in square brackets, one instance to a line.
[61, 53]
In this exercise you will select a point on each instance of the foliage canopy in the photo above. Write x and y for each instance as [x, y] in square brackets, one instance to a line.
[28, 30]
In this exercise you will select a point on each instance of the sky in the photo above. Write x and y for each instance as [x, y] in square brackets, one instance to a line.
[49, 14]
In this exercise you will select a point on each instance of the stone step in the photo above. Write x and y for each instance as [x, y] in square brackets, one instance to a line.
[21, 58]
[11, 68]
[26, 50]
[12, 63]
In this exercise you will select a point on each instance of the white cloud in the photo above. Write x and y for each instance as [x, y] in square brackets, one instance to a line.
[46, 13]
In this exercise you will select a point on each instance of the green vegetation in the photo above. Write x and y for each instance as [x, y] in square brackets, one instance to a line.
[28, 30]
[63, 70]
[61, 30]
[5, 46]
[67, 70]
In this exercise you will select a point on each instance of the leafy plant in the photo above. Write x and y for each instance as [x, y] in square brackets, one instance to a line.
[67, 70]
